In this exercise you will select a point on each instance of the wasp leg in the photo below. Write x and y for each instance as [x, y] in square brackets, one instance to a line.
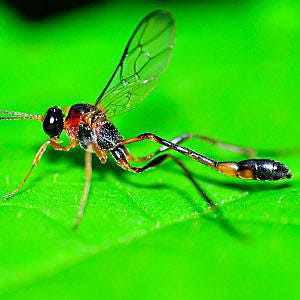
[86, 189]
[55, 144]
[231, 147]
[180, 139]
[122, 162]
[257, 169]
[36, 160]
[101, 154]
[156, 162]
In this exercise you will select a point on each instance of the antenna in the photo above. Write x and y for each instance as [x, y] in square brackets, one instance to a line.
[14, 115]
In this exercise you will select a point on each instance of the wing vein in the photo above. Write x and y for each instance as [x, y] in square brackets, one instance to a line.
[144, 59]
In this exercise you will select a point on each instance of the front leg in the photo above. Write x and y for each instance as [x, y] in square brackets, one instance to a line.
[56, 145]
[35, 162]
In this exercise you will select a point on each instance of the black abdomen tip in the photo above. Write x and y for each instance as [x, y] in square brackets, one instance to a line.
[265, 169]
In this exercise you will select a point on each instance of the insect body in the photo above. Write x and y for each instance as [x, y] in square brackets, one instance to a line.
[145, 58]
[89, 126]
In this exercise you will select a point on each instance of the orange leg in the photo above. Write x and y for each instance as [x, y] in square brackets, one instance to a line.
[36, 160]
[87, 184]
[55, 144]
[88, 173]
[34, 164]
[101, 154]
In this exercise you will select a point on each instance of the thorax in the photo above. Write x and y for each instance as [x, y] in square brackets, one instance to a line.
[89, 125]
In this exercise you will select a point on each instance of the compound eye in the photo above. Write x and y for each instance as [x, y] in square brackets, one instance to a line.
[53, 123]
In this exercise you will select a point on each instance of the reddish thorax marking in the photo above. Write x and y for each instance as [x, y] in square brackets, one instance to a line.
[74, 120]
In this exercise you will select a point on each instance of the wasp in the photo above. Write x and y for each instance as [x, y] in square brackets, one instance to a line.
[144, 59]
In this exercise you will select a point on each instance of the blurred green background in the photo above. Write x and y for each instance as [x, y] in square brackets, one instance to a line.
[234, 76]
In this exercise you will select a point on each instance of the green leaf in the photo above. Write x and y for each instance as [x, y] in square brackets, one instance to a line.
[234, 76]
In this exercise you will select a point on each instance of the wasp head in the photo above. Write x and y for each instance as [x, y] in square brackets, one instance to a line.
[53, 123]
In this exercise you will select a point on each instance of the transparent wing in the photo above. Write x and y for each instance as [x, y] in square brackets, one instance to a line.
[145, 57]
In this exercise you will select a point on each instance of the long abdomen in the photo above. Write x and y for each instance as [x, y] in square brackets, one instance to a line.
[257, 169]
